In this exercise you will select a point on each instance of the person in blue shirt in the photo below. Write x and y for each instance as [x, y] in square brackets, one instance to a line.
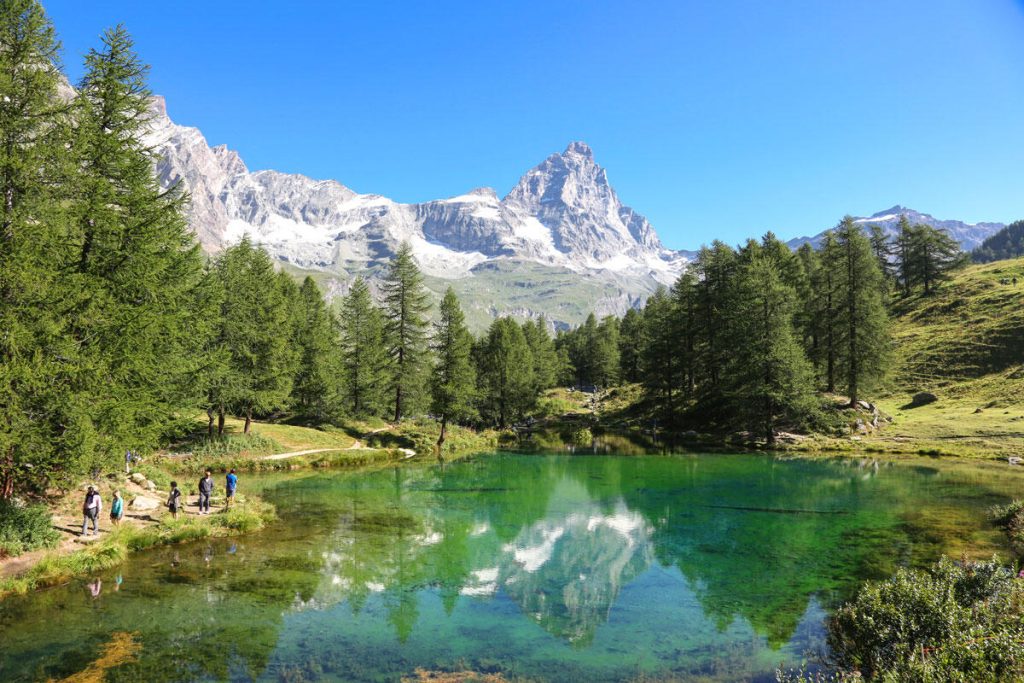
[117, 509]
[232, 484]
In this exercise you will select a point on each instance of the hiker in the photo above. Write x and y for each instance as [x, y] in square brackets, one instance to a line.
[91, 510]
[232, 484]
[117, 509]
[174, 500]
[205, 490]
[127, 462]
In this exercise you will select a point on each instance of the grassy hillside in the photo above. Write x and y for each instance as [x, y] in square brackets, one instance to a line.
[965, 344]
[509, 287]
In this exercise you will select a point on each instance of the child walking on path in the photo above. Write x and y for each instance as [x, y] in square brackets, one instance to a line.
[174, 500]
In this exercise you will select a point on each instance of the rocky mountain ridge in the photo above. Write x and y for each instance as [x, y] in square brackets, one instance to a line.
[969, 235]
[562, 213]
[560, 243]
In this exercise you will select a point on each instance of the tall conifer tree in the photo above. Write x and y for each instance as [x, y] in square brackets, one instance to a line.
[136, 258]
[862, 319]
[453, 381]
[543, 352]
[505, 374]
[256, 320]
[769, 376]
[42, 429]
[405, 306]
[631, 343]
[364, 357]
[315, 390]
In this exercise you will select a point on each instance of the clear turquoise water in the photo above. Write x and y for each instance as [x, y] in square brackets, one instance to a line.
[585, 568]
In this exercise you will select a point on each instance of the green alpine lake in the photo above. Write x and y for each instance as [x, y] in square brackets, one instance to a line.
[534, 567]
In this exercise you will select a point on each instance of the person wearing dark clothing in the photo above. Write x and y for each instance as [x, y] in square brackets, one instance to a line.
[174, 500]
[205, 491]
[231, 485]
[91, 510]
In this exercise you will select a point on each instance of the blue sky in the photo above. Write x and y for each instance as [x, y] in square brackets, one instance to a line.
[715, 119]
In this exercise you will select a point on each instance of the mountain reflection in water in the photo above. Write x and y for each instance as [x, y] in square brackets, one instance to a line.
[546, 567]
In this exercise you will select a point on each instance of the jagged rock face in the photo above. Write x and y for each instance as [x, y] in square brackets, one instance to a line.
[570, 195]
[969, 235]
[562, 213]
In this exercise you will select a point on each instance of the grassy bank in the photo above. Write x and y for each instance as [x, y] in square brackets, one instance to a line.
[248, 515]
[963, 343]
[269, 447]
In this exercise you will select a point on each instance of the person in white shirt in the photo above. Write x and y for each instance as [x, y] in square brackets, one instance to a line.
[91, 510]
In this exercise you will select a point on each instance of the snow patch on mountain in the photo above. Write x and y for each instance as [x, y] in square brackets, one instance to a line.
[969, 235]
[562, 213]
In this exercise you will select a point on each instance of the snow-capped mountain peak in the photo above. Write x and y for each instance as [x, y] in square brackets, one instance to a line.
[563, 213]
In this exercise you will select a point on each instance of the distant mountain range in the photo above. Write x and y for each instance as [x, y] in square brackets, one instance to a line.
[560, 243]
[969, 235]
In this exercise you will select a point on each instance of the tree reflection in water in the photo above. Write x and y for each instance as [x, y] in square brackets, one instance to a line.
[546, 567]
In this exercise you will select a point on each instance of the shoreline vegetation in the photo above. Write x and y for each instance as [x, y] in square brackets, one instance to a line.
[118, 330]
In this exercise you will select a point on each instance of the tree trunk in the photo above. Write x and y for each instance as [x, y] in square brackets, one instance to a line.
[7, 482]
[440, 438]
[220, 421]
[209, 424]
[248, 419]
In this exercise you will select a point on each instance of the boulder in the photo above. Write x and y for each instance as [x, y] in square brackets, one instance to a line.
[149, 486]
[138, 478]
[923, 398]
[143, 503]
[865, 405]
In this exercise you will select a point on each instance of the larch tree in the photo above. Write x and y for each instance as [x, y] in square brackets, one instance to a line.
[545, 356]
[684, 328]
[862, 321]
[315, 390]
[825, 284]
[631, 342]
[505, 374]
[453, 380]
[884, 251]
[135, 257]
[660, 365]
[40, 419]
[256, 330]
[405, 330]
[904, 249]
[934, 255]
[769, 378]
[364, 357]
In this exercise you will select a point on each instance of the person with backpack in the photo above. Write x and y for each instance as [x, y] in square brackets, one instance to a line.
[117, 509]
[231, 485]
[91, 510]
[174, 500]
[205, 491]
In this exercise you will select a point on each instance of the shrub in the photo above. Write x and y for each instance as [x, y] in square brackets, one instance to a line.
[953, 621]
[24, 528]
[1010, 518]
[581, 436]
[234, 444]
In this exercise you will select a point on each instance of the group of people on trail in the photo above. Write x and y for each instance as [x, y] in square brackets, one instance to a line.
[205, 492]
[93, 504]
[92, 507]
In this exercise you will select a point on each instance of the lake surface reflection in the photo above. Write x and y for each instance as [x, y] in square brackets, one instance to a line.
[553, 568]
